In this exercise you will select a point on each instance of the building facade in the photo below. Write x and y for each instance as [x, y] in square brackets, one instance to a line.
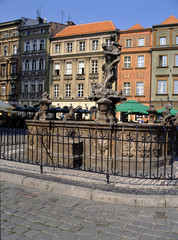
[76, 59]
[134, 69]
[10, 61]
[35, 46]
[164, 84]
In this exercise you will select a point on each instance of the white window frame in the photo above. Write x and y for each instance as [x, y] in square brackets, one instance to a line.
[3, 89]
[163, 61]
[57, 48]
[81, 67]
[95, 44]
[140, 61]
[56, 91]
[141, 42]
[176, 39]
[127, 61]
[5, 51]
[69, 47]
[128, 42]
[175, 86]
[69, 68]
[94, 66]
[126, 88]
[34, 65]
[68, 90]
[176, 60]
[162, 86]
[80, 90]
[139, 88]
[108, 42]
[14, 49]
[82, 46]
[162, 41]
[57, 69]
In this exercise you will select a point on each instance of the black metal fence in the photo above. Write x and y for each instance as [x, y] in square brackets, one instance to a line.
[138, 151]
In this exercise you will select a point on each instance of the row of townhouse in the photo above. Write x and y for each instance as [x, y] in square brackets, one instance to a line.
[66, 60]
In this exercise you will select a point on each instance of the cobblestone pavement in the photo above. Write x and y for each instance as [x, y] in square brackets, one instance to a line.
[30, 214]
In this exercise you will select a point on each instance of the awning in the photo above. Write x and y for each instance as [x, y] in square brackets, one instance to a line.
[5, 106]
[172, 112]
[132, 107]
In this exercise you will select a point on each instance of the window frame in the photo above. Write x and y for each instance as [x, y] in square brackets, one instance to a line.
[56, 90]
[176, 60]
[141, 62]
[140, 88]
[3, 89]
[176, 40]
[34, 64]
[125, 89]
[82, 46]
[175, 92]
[41, 64]
[5, 50]
[56, 69]
[141, 44]
[42, 45]
[95, 44]
[127, 62]
[94, 66]
[162, 65]
[68, 68]
[34, 48]
[27, 65]
[158, 88]
[27, 46]
[57, 48]
[80, 90]
[14, 49]
[160, 42]
[69, 47]
[68, 90]
[127, 41]
[81, 69]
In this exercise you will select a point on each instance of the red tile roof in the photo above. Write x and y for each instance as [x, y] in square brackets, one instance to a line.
[136, 27]
[170, 20]
[88, 28]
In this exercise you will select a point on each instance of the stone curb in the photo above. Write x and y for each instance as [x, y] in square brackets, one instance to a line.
[169, 201]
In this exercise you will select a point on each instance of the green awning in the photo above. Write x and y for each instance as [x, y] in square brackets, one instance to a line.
[172, 112]
[132, 107]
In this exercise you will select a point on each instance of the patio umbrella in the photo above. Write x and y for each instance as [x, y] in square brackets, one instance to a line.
[172, 112]
[5, 106]
[132, 106]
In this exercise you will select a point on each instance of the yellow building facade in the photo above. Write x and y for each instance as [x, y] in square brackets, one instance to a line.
[76, 59]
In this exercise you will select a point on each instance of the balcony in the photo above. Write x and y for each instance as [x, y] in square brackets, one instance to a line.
[80, 76]
[68, 77]
[93, 76]
[56, 77]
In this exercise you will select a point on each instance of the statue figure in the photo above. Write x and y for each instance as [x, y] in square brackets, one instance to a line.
[70, 116]
[166, 114]
[44, 106]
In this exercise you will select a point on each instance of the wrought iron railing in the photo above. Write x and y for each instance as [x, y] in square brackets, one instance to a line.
[135, 150]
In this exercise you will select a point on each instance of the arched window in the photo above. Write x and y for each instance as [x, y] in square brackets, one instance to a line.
[27, 65]
[42, 44]
[34, 45]
[33, 64]
[27, 46]
[41, 65]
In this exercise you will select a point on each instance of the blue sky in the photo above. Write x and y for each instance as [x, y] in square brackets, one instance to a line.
[123, 13]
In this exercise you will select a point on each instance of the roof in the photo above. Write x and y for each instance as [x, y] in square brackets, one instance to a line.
[170, 20]
[136, 27]
[88, 28]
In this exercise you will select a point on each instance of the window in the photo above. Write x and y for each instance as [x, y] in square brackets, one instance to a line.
[25, 87]
[34, 45]
[126, 89]
[80, 90]
[5, 51]
[175, 86]
[3, 89]
[163, 61]
[4, 34]
[33, 64]
[176, 39]
[141, 42]
[162, 41]
[95, 45]
[81, 46]
[33, 87]
[42, 45]
[27, 47]
[4, 69]
[140, 61]
[93, 85]
[68, 90]
[81, 67]
[127, 62]
[41, 64]
[27, 32]
[108, 42]
[162, 87]
[14, 49]
[57, 48]
[176, 60]
[68, 68]
[14, 68]
[69, 47]
[12, 88]
[56, 91]
[56, 69]
[128, 43]
[40, 87]
[26, 65]
[139, 89]
[94, 66]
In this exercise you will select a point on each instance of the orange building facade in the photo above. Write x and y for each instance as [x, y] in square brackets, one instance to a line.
[134, 69]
